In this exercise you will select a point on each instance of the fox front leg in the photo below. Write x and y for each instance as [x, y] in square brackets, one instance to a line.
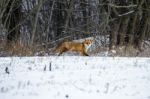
[83, 53]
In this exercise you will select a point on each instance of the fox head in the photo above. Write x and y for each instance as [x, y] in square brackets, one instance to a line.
[87, 42]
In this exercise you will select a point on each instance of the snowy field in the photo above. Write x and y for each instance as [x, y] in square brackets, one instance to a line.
[74, 77]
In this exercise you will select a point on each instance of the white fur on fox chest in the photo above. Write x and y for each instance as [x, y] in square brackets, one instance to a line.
[87, 46]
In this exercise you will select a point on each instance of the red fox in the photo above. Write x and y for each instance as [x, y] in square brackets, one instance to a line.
[79, 47]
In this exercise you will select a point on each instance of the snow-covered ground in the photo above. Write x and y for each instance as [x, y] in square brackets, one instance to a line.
[74, 77]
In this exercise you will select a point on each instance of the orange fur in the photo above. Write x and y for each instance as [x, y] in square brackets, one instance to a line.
[79, 47]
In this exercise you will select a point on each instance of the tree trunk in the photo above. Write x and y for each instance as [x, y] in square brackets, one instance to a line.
[69, 11]
[123, 30]
[84, 12]
[113, 35]
[59, 16]
[36, 22]
[143, 27]
[11, 19]
[132, 29]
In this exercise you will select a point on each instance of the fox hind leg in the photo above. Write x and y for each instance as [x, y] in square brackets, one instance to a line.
[62, 50]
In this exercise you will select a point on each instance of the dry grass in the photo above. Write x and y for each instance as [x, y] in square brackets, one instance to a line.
[18, 49]
[21, 49]
[127, 51]
[130, 51]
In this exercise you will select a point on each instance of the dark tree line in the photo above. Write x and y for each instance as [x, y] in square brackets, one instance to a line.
[46, 22]
[132, 21]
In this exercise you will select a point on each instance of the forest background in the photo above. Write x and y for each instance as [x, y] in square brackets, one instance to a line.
[31, 26]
